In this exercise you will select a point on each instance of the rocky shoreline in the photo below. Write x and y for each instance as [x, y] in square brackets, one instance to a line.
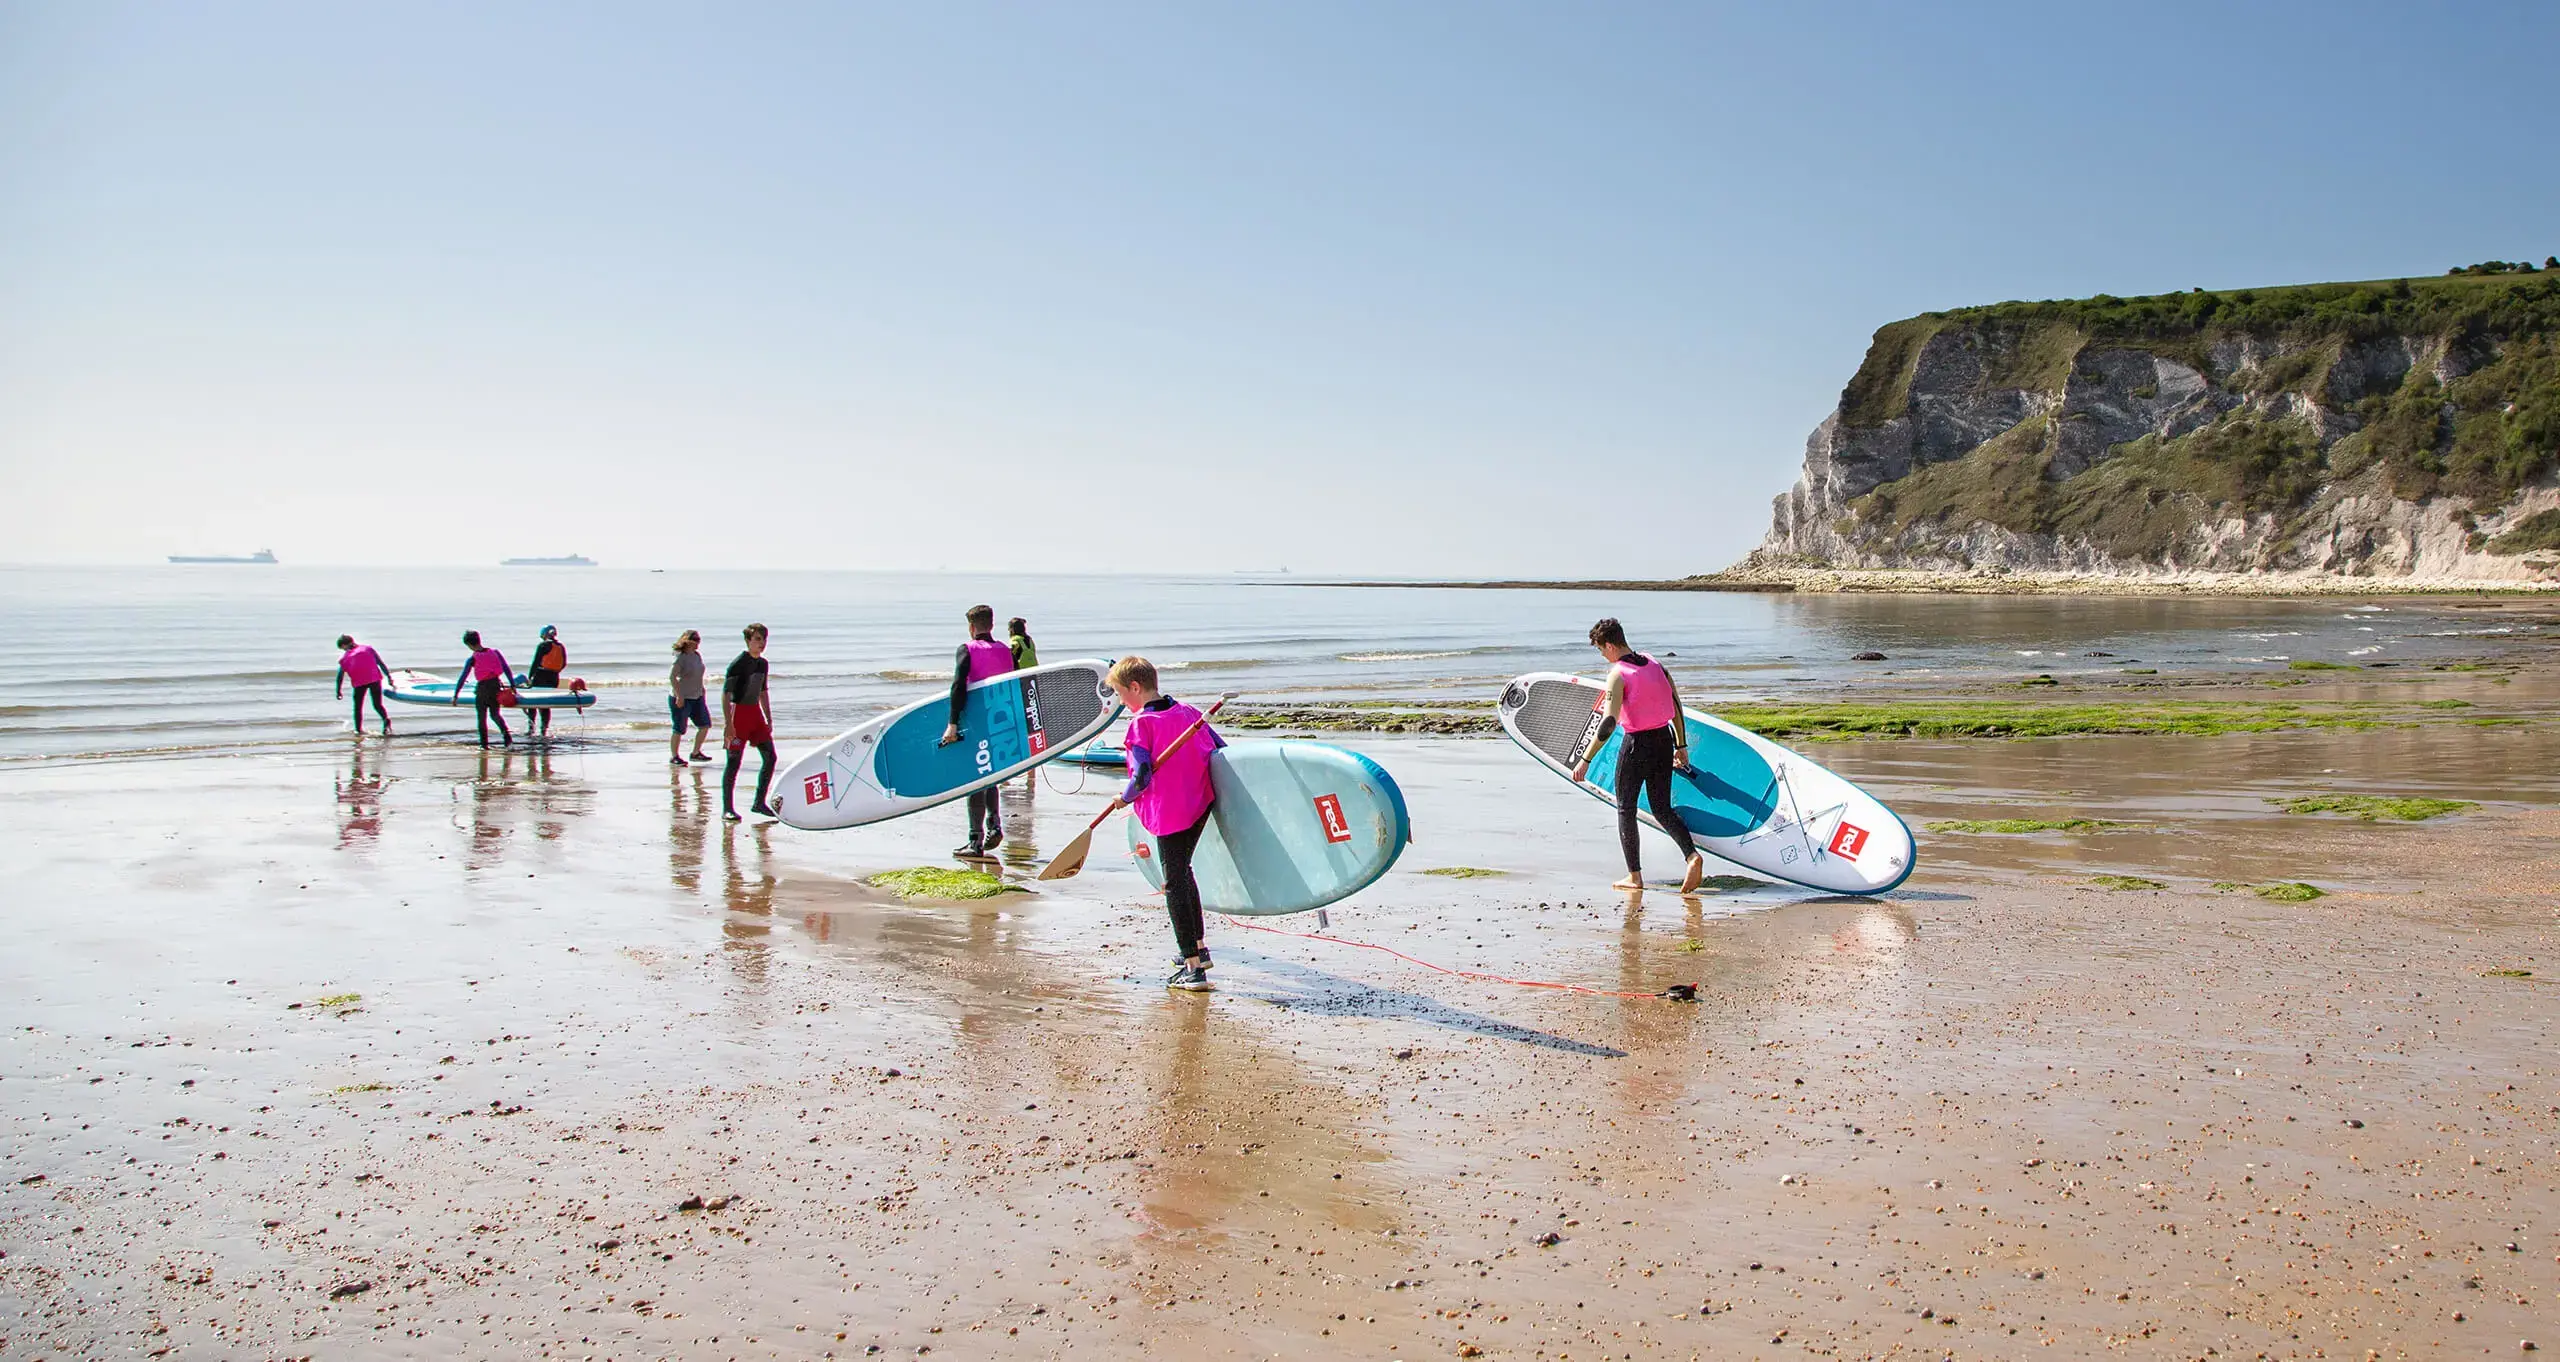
[1759, 573]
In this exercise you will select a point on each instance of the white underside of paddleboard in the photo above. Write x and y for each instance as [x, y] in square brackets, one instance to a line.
[1747, 800]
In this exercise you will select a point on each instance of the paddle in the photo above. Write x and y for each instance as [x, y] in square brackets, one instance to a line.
[1071, 860]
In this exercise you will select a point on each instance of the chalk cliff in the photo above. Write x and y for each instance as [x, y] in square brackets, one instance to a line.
[2400, 429]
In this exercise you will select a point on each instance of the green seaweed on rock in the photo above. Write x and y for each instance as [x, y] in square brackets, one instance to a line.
[2280, 891]
[2014, 826]
[942, 882]
[2125, 882]
[2402, 808]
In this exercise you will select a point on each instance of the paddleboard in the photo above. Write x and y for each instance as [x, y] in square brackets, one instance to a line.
[1097, 754]
[1744, 798]
[1296, 826]
[422, 688]
[895, 764]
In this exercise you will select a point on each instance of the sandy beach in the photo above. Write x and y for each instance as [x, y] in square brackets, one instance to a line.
[407, 1052]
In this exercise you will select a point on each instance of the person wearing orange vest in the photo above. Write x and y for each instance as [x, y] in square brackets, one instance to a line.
[1643, 700]
[549, 659]
[978, 659]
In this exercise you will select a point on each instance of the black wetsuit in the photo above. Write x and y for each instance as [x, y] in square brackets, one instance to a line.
[986, 810]
[1644, 765]
[549, 658]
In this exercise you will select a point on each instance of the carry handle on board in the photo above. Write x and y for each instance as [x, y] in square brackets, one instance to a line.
[1071, 860]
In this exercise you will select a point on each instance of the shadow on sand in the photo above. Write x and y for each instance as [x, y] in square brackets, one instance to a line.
[1330, 995]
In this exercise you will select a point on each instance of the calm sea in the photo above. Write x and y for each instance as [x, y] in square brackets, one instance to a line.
[122, 661]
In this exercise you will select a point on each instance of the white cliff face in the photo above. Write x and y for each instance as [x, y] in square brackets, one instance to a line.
[2109, 397]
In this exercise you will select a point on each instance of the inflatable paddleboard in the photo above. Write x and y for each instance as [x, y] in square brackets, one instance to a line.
[1297, 825]
[1098, 754]
[895, 764]
[421, 688]
[1744, 798]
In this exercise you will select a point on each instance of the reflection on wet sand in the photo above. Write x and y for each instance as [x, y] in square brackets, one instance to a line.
[360, 793]
[746, 896]
[691, 808]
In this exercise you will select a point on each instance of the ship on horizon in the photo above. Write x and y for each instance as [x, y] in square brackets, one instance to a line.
[265, 556]
[567, 560]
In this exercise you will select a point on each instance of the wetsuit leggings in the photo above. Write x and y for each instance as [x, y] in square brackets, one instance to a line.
[374, 690]
[729, 773]
[1644, 763]
[485, 708]
[986, 812]
[1182, 890]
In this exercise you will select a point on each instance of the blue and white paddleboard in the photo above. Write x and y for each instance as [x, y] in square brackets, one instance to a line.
[423, 688]
[896, 764]
[1744, 798]
[1297, 825]
[1098, 754]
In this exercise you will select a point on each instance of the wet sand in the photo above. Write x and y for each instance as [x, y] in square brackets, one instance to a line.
[403, 1053]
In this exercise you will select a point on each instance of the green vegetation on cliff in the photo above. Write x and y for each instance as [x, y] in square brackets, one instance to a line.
[2413, 387]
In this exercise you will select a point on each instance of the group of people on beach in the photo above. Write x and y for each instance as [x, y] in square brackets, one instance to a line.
[1167, 746]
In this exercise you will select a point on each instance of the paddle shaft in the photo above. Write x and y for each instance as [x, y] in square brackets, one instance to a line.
[1070, 859]
[1179, 740]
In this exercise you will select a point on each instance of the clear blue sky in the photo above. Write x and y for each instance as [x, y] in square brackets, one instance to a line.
[1447, 289]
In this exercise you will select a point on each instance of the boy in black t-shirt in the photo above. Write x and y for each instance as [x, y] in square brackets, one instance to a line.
[746, 717]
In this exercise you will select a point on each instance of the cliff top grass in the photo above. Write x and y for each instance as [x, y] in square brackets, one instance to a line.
[2512, 303]
[942, 882]
[2483, 435]
[2370, 808]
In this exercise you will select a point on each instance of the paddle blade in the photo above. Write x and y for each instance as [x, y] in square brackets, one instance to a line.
[1071, 860]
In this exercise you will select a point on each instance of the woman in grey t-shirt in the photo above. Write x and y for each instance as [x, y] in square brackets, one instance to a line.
[684, 698]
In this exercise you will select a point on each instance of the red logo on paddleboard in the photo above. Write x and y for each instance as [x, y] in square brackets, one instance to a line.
[1848, 841]
[1039, 742]
[817, 788]
[1329, 811]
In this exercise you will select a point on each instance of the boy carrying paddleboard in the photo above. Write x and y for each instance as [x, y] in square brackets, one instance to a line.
[1170, 791]
[1642, 699]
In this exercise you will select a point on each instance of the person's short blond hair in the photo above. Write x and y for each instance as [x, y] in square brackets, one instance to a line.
[1133, 671]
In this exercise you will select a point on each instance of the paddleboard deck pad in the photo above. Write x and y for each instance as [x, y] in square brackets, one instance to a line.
[1744, 798]
[896, 764]
[1296, 826]
[422, 688]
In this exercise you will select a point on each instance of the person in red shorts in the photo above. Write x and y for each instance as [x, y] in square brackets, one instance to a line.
[746, 718]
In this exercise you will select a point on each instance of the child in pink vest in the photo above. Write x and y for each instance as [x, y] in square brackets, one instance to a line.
[1170, 791]
[978, 659]
[361, 666]
[1642, 697]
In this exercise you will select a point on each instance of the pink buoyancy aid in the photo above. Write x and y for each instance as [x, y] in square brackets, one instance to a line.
[1647, 702]
[489, 664]
[988, 658]
[1178, 792]
[363, 665]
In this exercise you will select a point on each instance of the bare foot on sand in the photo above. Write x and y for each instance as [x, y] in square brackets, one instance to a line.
[1632, 881]
[1697, 871]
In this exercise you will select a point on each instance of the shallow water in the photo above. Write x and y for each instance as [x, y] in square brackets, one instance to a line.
[171, 659]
